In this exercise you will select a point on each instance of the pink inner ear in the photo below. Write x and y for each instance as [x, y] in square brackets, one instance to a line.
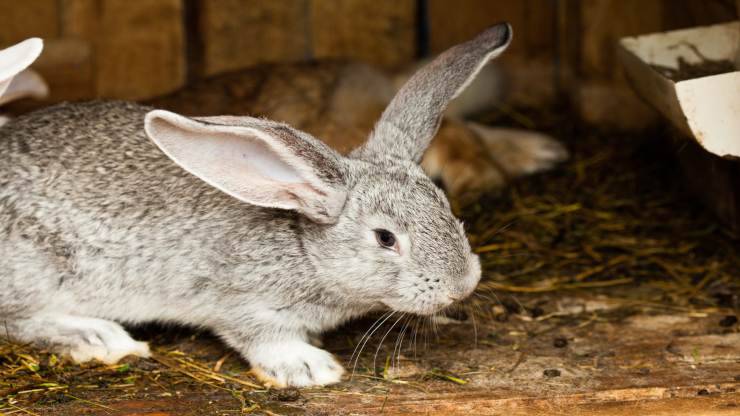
[241, 163]
[255, 161]
[3, 86]
[26, 84]
[16, 58]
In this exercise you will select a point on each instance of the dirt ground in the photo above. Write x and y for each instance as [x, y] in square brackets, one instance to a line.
[607, 290]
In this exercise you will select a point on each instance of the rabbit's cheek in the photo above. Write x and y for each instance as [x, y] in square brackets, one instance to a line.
[419, 294]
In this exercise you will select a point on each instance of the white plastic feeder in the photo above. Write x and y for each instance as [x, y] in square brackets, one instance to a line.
[705, 108]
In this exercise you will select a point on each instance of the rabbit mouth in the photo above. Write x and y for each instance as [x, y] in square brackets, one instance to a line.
[423, 308]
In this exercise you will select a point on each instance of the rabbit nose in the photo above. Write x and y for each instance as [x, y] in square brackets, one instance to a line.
[464, 285]
[472, 277]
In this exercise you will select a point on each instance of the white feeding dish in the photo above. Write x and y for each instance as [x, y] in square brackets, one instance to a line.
[705, 107]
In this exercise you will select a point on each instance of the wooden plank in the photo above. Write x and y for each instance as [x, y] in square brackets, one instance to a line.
[454, 22]
[645, 364]
[603, 95]
[79, 18]
[139, 50]
[137, 47]
[25, 19]
[241, 33]
[377, 32]
[604, 22]
[679, 14]
[102, 48]
[67, 66]
[648, 401]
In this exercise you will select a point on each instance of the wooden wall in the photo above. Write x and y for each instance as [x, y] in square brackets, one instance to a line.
[238, 33]
[143, 48]
[110, 48]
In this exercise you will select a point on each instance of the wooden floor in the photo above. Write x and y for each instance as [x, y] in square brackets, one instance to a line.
[614, 363]
[587, 355]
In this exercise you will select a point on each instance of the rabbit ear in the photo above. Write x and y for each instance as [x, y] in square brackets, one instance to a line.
[28, 83]
[412, 118]
[16, 58]
[256, 161]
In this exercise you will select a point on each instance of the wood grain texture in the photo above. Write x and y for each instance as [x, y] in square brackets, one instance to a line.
[67, 66]
[664, 364]
[378, 32]
[454, 22]
[139, 49]
[20, 20]
[604, 22]
[79, 18]
[241, 33]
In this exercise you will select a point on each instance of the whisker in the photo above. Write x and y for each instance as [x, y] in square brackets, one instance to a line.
[435, 324]
[425, 331]
[399, 344]
[482, 296]
[416, 332]
[495, 296]
[367, 331]
[380, 344]
[475, 328]
[362, 347]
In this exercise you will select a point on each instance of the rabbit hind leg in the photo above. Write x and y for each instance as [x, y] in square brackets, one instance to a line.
[519, 152]
[460, 163]
[81, 338]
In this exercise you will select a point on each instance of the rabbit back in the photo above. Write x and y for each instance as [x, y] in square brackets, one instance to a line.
[90, 209]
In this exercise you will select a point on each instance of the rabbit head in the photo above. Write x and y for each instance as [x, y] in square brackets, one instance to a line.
[376, 228]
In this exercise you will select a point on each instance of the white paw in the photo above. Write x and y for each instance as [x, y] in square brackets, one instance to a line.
[100, 339]
[294, 364]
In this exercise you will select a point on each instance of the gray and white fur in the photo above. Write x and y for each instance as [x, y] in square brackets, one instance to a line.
[242, 225]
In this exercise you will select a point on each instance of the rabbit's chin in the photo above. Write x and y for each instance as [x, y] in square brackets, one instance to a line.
[417, 308]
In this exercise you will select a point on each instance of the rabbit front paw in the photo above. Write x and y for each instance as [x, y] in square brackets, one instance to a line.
[294, 364]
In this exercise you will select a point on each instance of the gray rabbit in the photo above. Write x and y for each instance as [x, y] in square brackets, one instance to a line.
[242, 225]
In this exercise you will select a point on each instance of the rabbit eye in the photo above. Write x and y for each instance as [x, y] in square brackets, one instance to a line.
[385, 238]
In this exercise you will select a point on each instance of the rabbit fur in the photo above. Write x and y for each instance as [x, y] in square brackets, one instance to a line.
[245, 226]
